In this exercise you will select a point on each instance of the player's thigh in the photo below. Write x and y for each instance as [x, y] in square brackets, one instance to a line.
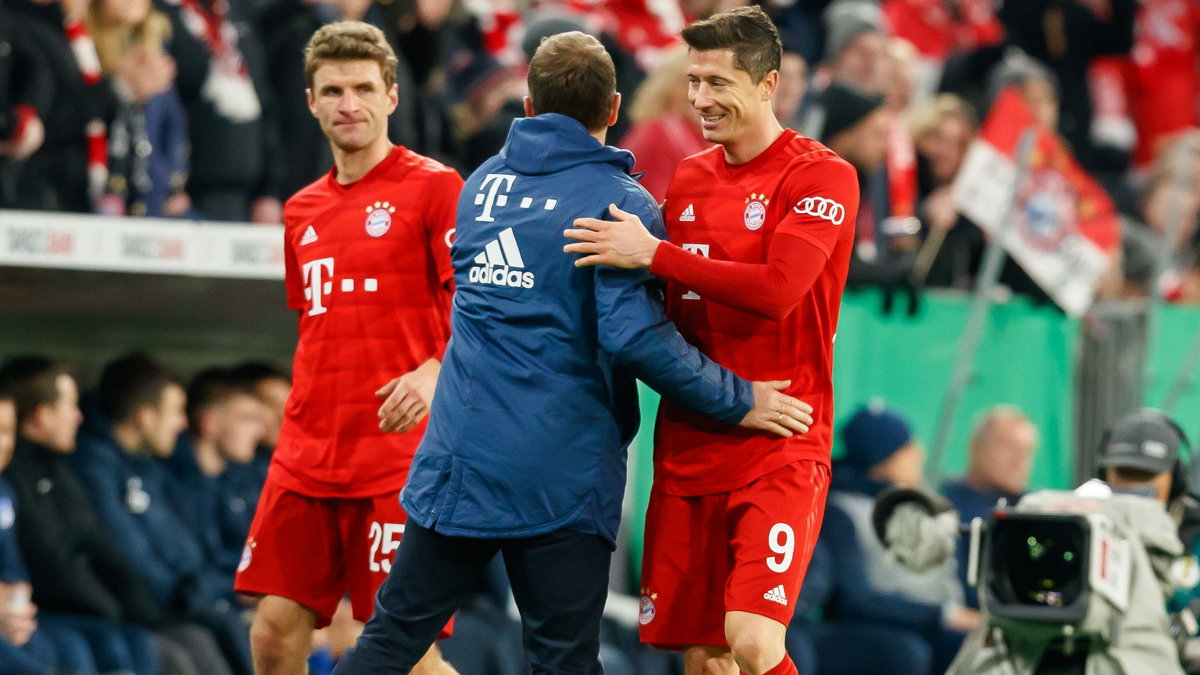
[775, 522]
[294, 551]
[685, 564]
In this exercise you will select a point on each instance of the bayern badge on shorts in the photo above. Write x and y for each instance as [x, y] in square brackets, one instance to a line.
[247, 554]
[379, 218]
[756, 211]
[646, 609]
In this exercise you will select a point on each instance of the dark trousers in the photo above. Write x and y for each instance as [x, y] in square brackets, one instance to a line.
[559, 581]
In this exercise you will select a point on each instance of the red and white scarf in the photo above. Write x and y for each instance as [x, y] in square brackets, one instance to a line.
[228, 86]
[96, 133]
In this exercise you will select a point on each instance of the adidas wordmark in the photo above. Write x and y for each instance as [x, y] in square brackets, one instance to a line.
[501, 263]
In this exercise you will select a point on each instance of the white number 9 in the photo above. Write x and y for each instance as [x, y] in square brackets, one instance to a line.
[786, 547]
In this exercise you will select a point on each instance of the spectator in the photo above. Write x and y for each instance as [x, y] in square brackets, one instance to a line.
[130, 40]
[880, 452]
[1067, 36]
[74, 567]
[942, 130]
[25, 647]
[855, 46]
[1001, 456]
[272, 386]
[1164, 81]
[665, 128]
[69, 171]
[134, 419]
[222, 80]
[856, 128]
[793, 85]
[216, 483]
[25, 91]
[830, 629]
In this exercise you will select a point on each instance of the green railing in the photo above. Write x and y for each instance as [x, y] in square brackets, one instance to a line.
[1027, 359]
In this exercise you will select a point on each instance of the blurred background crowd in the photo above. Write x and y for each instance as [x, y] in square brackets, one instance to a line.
[196, 109]
[124, 512]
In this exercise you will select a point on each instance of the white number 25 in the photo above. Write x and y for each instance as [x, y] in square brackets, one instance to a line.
[385, 539]
[782, 541]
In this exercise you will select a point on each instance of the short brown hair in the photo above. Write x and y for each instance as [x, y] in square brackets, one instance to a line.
[572, 74]
[32, 381]
[349, 41]
[748, 31]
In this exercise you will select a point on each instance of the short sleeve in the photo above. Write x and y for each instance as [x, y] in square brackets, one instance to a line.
[444, 189]
[822, 203]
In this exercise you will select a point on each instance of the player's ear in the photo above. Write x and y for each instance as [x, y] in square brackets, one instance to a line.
[312, 101]
[616, 106]
[769, 84]
[529, 107]
[393, 98]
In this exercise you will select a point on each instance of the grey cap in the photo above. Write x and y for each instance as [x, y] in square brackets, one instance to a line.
[1143, 440]
[846, 20]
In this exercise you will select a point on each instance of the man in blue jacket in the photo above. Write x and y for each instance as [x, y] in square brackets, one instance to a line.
[536, 403]
[131, 424]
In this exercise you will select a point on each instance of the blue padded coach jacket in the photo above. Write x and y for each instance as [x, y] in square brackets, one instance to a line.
[536, 403]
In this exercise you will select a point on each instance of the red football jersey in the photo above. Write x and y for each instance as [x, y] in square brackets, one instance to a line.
[795, 188]
[368, 267]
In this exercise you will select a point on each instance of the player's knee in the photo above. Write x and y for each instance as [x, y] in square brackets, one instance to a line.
[754, 652]
[274, 637]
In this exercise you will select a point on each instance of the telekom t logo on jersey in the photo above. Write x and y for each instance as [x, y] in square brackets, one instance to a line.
[318, 284]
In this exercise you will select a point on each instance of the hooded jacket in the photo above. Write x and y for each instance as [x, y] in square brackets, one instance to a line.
[536, 401]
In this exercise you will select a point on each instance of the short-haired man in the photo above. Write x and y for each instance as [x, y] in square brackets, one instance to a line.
[1000, 458]
[536, 404]
[367, 265]
[765, 225]
[74, 566]
[216, 485]
[127, 431]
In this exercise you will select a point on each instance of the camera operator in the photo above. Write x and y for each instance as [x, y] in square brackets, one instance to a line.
[1142, 455]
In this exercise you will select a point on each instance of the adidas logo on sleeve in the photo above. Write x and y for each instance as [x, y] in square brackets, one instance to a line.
[500, 263]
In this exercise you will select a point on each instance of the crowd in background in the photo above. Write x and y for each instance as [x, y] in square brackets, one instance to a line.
[196, 108]
[124, 514]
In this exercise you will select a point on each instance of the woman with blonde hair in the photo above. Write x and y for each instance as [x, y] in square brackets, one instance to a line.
[147, 147]
[665, 126]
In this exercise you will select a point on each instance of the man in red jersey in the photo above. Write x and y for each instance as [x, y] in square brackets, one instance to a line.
[367, 265]
[765, 224]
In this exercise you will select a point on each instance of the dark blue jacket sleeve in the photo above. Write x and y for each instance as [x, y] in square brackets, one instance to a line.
[854, 598]
[634, 329]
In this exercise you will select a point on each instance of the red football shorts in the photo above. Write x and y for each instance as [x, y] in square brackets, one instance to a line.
[318, 550]
[753, 543]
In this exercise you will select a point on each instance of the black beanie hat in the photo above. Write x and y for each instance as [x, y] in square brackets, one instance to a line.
[845, 106]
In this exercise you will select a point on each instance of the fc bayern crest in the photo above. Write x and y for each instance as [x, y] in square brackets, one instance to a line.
[379, 218]
[756, 211]
[1047, 210]
[646, 610]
